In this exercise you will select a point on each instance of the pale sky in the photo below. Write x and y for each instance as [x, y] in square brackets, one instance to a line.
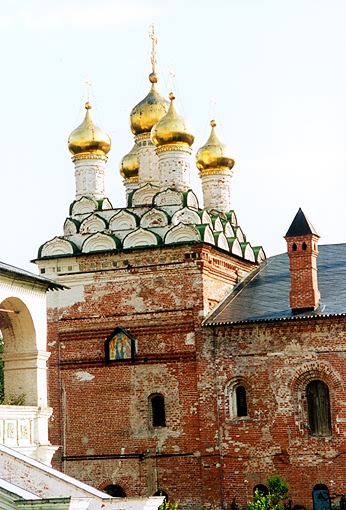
[271, 72]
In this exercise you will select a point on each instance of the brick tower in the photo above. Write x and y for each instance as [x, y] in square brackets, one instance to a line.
[132, 374]
[302, 250]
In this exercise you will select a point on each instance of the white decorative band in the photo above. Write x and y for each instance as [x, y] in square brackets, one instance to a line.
[130, 180]
[142, 136]
[173, 147]
[89, 155]
[215, 171]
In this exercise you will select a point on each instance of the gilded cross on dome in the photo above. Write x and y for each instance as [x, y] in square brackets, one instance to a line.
[153, 38]
[88, 86]
[212, 108]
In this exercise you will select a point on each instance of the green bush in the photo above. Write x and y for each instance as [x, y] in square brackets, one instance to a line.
[275, 499]
[167, 505]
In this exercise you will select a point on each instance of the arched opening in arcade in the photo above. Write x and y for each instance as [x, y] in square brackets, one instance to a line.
[19, 354]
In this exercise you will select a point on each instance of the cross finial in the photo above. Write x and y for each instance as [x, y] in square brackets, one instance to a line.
[153, 38]
[212, 107]
[171, 76]
[88, 85]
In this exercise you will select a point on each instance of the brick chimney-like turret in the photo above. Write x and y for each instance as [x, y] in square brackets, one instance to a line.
[302, 250]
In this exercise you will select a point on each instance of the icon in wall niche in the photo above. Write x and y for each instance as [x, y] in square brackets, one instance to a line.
[120, 346]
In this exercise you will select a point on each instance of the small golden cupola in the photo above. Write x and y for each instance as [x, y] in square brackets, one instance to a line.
[129, 165]
[153, 107]
[88, 140]
[172, 129]
[148, 111]
[213, 156]
[215, 170]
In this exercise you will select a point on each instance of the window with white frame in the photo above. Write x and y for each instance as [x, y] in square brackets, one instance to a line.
[237, 399]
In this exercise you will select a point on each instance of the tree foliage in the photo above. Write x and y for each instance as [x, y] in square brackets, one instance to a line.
[168, 505]
[276, 497]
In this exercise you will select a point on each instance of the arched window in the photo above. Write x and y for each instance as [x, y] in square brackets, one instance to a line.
[237, 398]
[318, 408]
[294, 247]
[262, 489]
[157, 414]
[304, 246]
[115, 491]
[240, 401]
[161, 492]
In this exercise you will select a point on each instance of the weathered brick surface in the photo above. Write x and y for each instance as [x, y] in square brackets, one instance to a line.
[205, 457]
[278, 360]
[101, 410]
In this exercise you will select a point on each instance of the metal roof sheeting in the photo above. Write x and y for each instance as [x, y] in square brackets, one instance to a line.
[21, 274]
[264, 294]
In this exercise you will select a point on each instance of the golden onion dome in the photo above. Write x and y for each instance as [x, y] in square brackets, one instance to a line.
[172, 129]
[148, 111]
[88, 138]
[213, 154]
[129, 165]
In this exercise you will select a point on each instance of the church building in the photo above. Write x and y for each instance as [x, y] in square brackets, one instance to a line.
[182, 361]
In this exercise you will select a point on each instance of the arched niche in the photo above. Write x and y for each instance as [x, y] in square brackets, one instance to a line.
[234, 246]
[191, 199]
[205, 218]
[221, 240]
[141, 237]
[228, 229]
[24, 413]
[168, 197]
[123, 220]
[84, 205]
[181, 234]
[217, 223]
[57, 246]
[248, 252]
[24, 354]
[206, 234]
[154, 218]
[259, 254]
[92, 224]
[239, 234]
[71, 227]
[101, 242]
[143, 195]
[186, 216]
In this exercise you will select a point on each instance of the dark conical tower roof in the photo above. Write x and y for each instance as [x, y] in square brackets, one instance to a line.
[300, 226]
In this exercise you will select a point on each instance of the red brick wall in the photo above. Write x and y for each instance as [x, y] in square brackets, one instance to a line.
[101, 410]
[204, 456]
[277, 360]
